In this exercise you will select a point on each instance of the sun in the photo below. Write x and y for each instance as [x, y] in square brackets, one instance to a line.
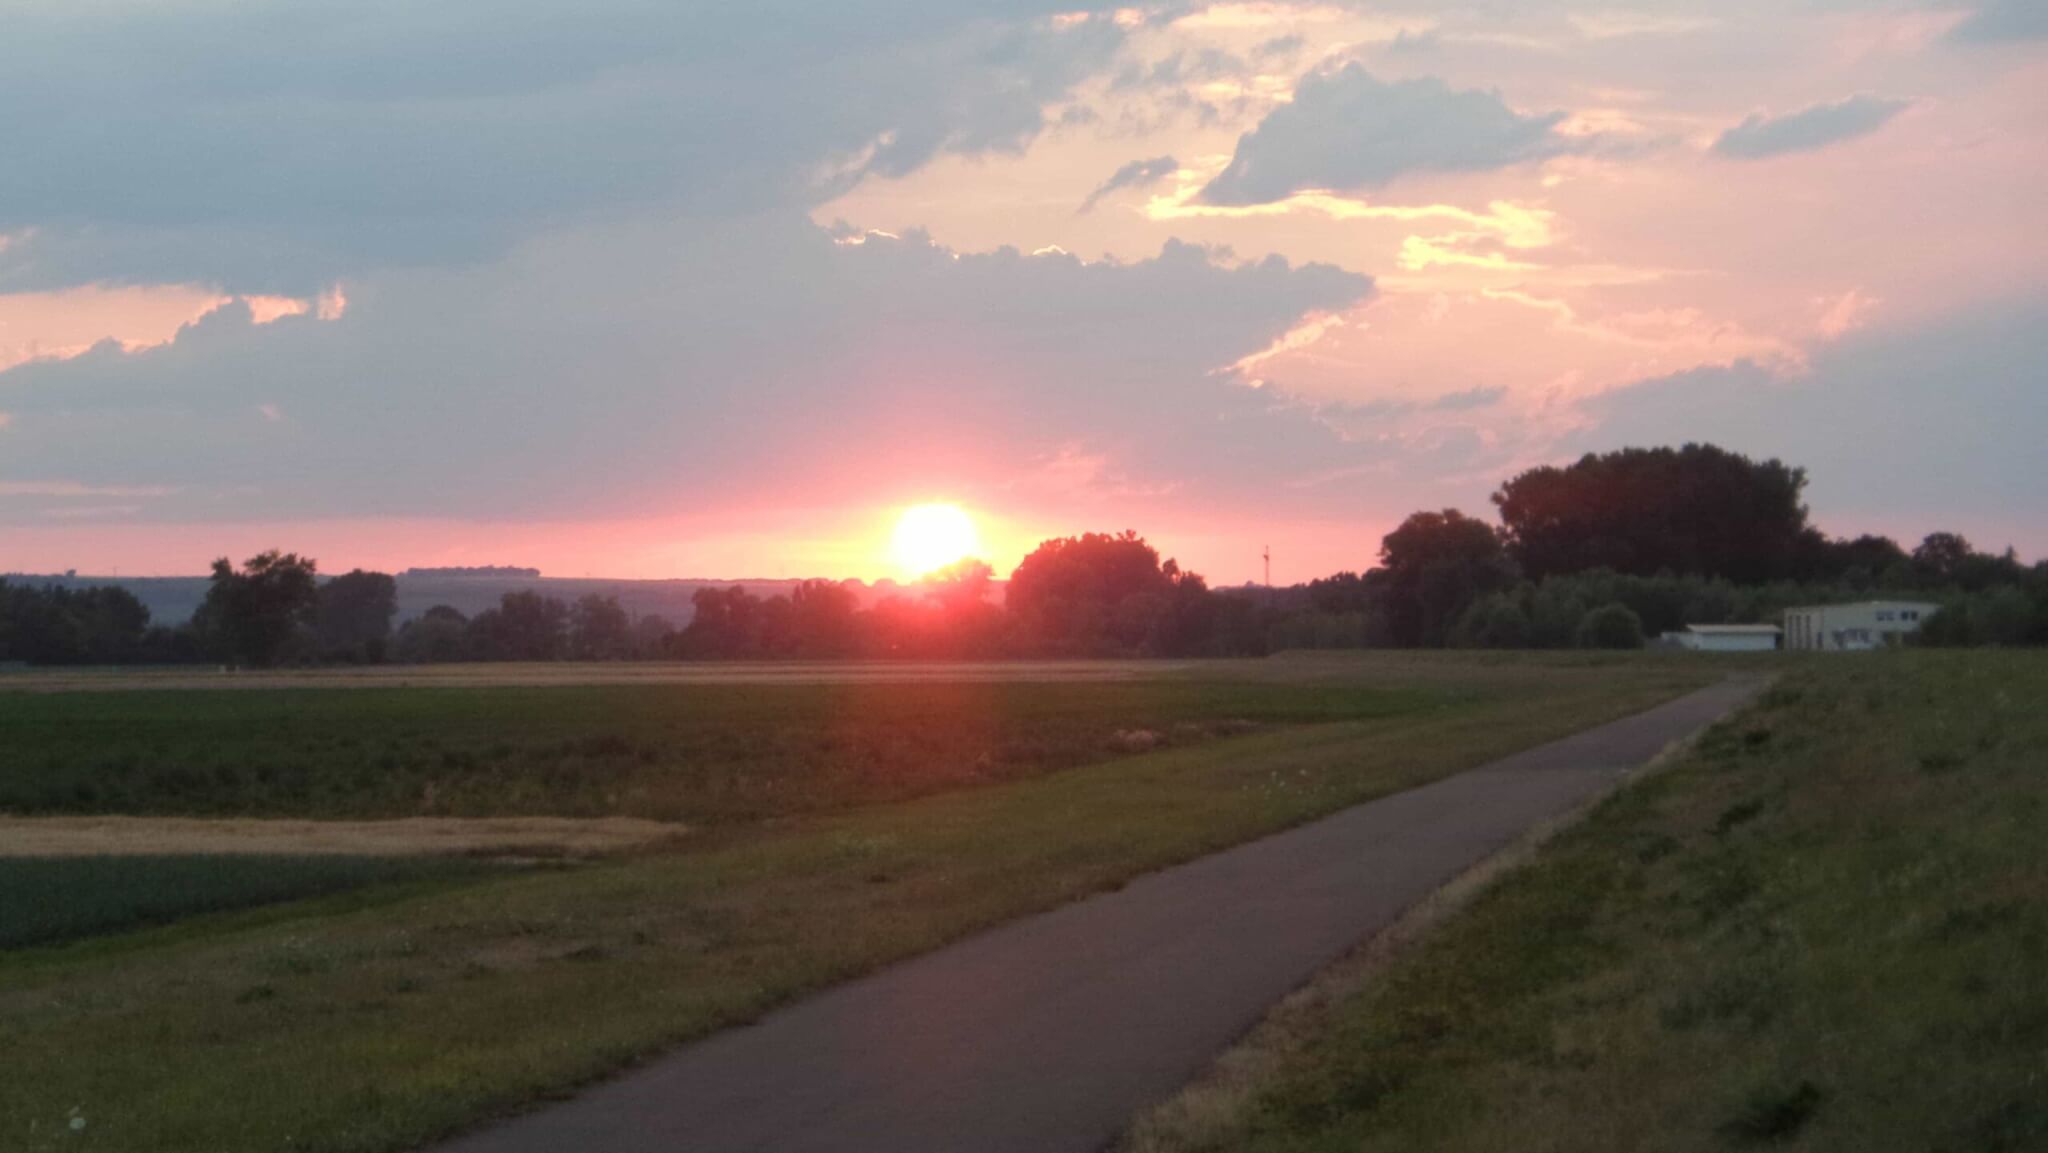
[932, 536]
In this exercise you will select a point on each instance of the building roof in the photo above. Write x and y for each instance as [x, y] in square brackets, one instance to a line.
[1734, 630]
[1865, 604]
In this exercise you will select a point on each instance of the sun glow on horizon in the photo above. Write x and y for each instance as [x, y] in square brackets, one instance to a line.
[932, 536]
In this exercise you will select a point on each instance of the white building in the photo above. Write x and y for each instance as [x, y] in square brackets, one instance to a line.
[1726, 638]
[1854, 627]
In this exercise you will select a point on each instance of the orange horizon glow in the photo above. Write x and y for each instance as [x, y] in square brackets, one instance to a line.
[928, 537]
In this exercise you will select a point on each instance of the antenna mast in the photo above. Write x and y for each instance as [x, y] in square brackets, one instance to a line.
[1267, 556]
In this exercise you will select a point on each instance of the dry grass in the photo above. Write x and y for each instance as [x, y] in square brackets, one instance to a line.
[479, 675]
[408, 837]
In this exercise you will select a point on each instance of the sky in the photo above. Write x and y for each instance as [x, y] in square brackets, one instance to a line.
[648, 288]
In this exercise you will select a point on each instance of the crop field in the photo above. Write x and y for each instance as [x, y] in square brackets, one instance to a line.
[1823, 930]
[52, 900]
[700, 754]
[835, 826]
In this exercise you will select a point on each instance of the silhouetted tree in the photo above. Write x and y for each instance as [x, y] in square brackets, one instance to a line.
[353, 617]
[525, 626]
[1493, 622]
[439, 635]
[1942, 556]
[1862, 562]
[255, 616]
[1437, 564]
[599, 630]
[1697, 509]
[726, 623]
[1344, 592]
[652, 635]
[822, 619]
[960, 586]
[1095, 593]
[1611, 626]
[71, 626]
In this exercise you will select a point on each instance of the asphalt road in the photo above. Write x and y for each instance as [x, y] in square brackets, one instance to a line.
[1047, 1034]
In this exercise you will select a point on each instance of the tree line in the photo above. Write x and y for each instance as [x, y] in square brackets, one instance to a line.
[1600, 553]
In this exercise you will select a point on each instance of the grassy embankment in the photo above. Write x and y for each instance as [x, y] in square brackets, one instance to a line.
[1826, 928]
[334, 1025]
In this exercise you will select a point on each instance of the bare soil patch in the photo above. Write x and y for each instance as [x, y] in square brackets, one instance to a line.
[594, 673]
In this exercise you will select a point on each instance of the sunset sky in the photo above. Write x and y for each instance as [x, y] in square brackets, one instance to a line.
[640, 289]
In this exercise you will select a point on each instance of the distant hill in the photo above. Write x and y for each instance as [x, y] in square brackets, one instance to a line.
[173, 600]
[486, 570]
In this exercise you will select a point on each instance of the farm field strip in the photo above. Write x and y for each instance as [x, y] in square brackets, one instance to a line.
[552, 673]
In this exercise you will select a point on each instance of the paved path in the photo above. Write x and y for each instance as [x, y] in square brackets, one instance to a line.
[1047, 1034]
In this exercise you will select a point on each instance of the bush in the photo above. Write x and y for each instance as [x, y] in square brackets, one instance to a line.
[1497, 622]
[1611, 626]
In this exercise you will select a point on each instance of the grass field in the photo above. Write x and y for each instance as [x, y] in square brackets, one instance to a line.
[1825, 930]
[378, 1027]
[52, 900]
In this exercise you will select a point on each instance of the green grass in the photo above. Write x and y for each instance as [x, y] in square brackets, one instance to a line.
[703, 754]
[1826, 929]
[380, 1028]
[50, 901]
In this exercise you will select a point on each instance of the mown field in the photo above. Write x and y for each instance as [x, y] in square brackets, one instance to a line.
[367, 1022]
[1826, 929]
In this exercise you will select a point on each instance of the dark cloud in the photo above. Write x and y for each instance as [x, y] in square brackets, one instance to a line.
[1809, 128]
[1349, 131]
[652, 366]
[1178, 70]
[2004, 21]
[272, 148]
[1922, 427]
[1136, 174]
[1464, 400]
[1279, 48]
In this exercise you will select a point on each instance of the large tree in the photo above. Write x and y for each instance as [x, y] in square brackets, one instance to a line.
[1437, 564]
[599, 629]
[70, 626]
[1095, 593]
[353, 620]
[525, 626]
[1692, 510]
[256, 615]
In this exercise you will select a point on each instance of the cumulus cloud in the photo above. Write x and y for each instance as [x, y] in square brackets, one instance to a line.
[1136, 174]
[2001, 21]
[1349, 131]
[654, 366]
[274, 148]
[1906, 430]
[1808, 129]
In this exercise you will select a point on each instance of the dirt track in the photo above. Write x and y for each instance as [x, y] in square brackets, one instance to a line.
[576, 673]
